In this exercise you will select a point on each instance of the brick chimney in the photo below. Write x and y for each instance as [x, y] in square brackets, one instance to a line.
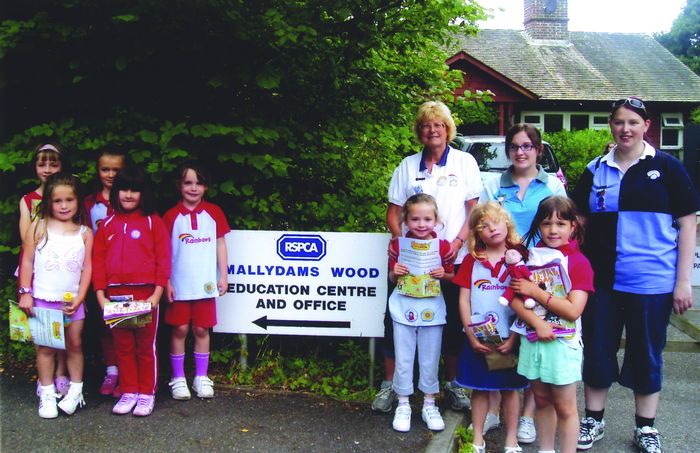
[547, 19]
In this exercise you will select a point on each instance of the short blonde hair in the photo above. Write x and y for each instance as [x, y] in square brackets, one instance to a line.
[431, 110]
[489, 211]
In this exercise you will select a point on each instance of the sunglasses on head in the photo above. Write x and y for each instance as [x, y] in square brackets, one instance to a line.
[632, 102]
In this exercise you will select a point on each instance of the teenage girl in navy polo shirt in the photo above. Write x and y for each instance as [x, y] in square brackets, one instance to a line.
[640, 239]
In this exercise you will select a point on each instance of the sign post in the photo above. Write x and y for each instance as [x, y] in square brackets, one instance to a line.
[305, 283]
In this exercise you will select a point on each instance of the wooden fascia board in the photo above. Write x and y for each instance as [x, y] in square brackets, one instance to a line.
[463, 56]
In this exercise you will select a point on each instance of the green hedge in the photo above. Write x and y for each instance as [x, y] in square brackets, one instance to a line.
[575, 150]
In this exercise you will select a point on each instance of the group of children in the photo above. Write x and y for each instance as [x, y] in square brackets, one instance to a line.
[548, 343]
[115, 241]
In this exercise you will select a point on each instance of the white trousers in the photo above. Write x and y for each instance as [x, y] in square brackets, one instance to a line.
[428, 339]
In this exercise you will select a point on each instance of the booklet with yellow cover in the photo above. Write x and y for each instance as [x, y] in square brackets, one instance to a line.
[420, 256]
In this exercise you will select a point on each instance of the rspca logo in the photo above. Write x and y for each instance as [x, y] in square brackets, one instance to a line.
[301, 247]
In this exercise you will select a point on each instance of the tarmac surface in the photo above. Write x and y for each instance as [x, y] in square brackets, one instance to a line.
[251, 420]
[247, 420]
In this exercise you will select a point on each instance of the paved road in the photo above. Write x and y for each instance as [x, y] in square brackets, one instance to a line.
[234, 421]
[678, 417]
[249, 421]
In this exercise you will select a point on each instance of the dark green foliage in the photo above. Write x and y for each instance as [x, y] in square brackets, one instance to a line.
[683, 40]
[576, 149]
[300, 110]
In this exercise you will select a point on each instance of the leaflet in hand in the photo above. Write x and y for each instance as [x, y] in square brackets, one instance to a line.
[48, 328]
[484, 328]
[19, 324]
[126, 312]
[421, 257]
[559, 333]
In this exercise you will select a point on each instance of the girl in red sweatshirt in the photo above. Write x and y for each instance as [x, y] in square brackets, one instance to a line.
[132, 258]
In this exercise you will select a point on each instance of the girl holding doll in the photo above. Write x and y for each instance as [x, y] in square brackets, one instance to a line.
[552, 359]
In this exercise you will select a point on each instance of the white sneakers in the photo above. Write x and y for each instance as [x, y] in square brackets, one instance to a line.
[526, 430]
[430, 414]
[203, 387]
[402, 418]
[179, 390]
[432, 418]
[72, 400]
[47, 403]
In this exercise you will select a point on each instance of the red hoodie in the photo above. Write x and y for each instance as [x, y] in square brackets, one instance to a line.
[131, 249]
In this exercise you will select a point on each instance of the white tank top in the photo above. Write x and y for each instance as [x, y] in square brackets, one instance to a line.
[58, 264]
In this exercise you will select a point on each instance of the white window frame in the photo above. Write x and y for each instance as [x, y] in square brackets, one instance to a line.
[670, 122]
[566, 122]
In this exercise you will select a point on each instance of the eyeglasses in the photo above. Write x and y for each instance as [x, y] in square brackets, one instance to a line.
[428, 126]
[526, 147]
[632, 102]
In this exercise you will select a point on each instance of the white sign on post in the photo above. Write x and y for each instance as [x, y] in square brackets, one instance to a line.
[695, 278]
[305, 283]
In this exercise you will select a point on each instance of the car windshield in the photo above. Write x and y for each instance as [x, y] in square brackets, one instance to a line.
[493, 157]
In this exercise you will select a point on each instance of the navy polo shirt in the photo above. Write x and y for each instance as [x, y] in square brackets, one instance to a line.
[631, 234]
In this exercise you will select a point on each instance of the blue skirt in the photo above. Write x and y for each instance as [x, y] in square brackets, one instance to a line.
[473, 373]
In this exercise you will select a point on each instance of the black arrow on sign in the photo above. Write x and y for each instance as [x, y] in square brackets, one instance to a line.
[264, 322]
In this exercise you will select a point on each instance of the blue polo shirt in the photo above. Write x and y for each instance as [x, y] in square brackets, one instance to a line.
[505, 191]
[631, 235]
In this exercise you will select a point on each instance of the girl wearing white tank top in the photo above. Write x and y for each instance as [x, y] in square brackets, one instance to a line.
[55, 274]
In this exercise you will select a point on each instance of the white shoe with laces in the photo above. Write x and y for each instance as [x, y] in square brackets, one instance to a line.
[47, 404]
[402, 418]
[526, 430]
[492, 421]
[72, 400]
[203, 387]
[432, 418]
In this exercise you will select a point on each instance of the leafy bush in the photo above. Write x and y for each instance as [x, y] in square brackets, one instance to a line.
[299, 110]
[695, 116]
[576, 149]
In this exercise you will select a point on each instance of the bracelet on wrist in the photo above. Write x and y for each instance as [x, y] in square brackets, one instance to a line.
[546, 304]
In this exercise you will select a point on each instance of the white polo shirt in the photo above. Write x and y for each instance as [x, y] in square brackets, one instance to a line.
[453, 181]
[193, 238]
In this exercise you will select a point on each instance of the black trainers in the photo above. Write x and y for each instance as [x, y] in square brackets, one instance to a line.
[590, 431]
[646, 439]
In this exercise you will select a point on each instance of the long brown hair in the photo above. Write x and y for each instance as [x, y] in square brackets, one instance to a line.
[561, 207]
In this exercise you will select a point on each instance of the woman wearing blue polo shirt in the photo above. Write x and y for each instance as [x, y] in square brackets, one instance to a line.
[640, 238]
[520, 189]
